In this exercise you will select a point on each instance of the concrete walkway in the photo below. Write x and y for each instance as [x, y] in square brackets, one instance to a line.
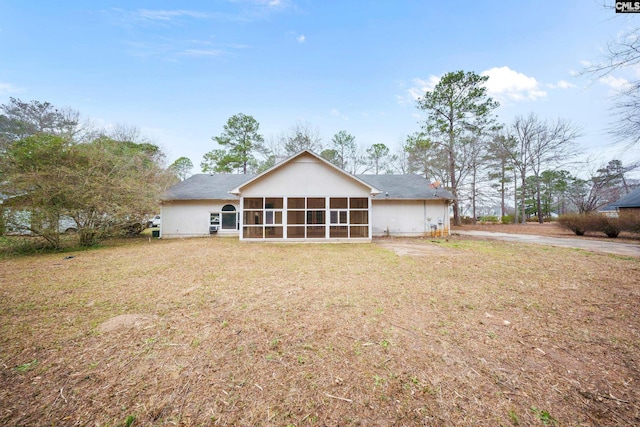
[625, 249]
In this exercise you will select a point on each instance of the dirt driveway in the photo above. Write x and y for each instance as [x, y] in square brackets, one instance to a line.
[616, 248]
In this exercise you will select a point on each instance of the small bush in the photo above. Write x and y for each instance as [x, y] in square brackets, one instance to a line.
[629, 221]
[466, 220]
[508, 219]
[488, 218]
[611, 226]
[578, 223]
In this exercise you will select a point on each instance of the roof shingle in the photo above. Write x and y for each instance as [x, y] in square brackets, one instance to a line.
[631, 200]
[217, 187]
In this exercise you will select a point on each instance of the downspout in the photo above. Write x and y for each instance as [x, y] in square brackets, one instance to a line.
[446, 220]
[161, 222]
[241, 215]
[424, 217]
[370, 215]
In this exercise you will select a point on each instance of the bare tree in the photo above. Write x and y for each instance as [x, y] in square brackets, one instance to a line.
[302, 136]
[19, 119]
[533, 145]
[604, 184]
[475, 148]
[553, 144]
[622, 53]
[400, 160]
[519, 137]
[123, 132]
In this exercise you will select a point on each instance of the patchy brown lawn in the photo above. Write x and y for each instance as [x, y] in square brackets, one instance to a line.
[215, 332]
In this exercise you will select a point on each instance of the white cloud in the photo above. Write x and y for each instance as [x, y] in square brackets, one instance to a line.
[504, 84]
[301, 38]
[615, 83]
[418, 89]
[168, 15]
[562, 84]
[507, 84]
[273, 4]
[8, 88]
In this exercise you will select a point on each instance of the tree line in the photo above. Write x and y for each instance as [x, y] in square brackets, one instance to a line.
[461, 145]
[244, 150]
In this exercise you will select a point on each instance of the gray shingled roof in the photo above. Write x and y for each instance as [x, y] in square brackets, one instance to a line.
[408, 187]
[206, 186]
[631, 200]
[217, 187]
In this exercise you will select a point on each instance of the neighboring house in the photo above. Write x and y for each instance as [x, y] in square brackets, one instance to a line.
[609, 210]
[305, 198]
[628, 203]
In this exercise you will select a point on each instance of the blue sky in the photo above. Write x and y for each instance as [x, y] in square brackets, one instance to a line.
[179, 70]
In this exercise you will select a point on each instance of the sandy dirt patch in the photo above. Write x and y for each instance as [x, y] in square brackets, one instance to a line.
[414, 247]
[124, 321]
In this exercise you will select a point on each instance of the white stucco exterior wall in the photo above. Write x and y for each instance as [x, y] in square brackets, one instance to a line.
[191, 218]
[409, 217]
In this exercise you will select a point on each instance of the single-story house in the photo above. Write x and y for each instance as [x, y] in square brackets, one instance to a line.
[305, 198]
[628, 203]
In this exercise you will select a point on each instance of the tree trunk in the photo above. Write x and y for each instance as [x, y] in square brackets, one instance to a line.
[473, 197]
[502, 190]
[539, 202]
[454, 190]
[452, 172]
[523, 214]
[515, 196]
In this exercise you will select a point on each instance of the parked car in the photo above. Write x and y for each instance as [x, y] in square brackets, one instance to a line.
[154, 222]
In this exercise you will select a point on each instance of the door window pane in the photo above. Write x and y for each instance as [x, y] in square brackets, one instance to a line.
[315, 217]
[229, 220]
